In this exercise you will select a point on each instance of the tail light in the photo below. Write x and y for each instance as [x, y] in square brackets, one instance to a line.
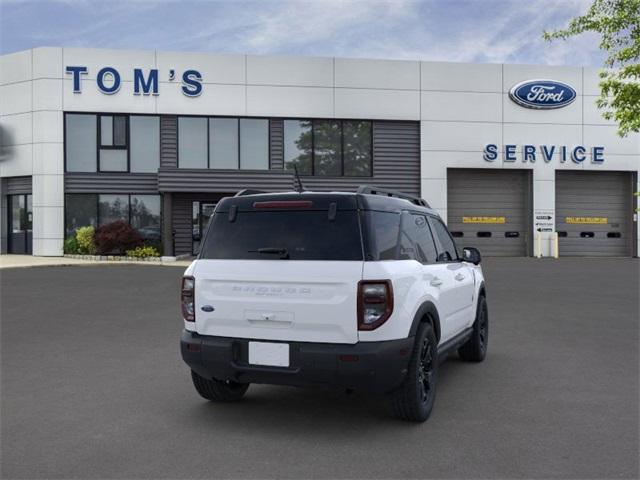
[375, 303]
[187, 298]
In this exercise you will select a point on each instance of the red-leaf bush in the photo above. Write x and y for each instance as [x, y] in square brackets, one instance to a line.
[116, 238]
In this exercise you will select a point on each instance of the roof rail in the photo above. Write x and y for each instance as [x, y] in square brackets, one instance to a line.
[248, 191]
[373, 190]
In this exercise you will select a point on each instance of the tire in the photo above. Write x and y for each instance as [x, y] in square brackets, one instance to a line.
[218, 390]
[475, 349]
[414, 399]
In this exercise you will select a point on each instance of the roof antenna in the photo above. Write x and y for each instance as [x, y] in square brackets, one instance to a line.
[298, 183]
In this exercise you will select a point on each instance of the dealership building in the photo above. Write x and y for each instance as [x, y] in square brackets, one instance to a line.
[516, 158]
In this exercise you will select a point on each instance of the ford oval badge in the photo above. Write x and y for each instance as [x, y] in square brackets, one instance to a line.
[542, 94]
[207, 308]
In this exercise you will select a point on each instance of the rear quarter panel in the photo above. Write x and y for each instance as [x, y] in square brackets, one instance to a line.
[410, 290]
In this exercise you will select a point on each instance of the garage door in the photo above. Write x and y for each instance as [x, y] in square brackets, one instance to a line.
[594, 213]
[489, 209]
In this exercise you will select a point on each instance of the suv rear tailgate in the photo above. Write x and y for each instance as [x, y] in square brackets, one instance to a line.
[290, 300]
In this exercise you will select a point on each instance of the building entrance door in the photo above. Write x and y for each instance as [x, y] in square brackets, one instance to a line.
[201, 213]
[20, 222]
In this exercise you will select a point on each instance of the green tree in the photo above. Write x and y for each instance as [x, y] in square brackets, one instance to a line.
[618, 23]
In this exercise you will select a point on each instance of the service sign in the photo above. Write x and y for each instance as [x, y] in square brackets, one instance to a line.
[485, 220]
[542, 94]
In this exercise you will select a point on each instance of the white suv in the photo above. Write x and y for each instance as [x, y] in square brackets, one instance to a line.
[358, 290]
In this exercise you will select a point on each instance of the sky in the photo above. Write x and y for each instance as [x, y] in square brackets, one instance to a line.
[486, 31]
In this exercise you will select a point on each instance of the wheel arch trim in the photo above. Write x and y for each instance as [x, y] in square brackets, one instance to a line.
[426, 309]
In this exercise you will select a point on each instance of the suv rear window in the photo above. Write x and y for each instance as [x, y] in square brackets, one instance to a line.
[294, 235]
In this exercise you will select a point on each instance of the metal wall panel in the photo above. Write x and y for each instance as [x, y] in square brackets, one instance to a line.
[276, 144]
[487, 198]
[18, 185]
[168, 141]
[110, 183]
[583, 199]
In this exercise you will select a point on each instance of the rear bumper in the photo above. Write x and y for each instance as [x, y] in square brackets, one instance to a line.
[369, 366]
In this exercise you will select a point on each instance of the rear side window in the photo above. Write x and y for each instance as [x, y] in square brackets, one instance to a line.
[447, 248]
[383, 232]
[294, 235]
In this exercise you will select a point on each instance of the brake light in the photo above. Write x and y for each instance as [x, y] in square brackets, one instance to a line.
[187, 298]
[375, 303]
[284, 204]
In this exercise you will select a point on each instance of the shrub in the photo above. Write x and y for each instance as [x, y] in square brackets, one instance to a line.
[70, 245]
[116, 238]
[84, 238]
[143, 252]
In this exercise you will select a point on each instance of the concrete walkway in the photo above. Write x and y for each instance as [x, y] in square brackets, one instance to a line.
[25, 261]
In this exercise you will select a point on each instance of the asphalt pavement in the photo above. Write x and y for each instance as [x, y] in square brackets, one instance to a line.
[93, 386]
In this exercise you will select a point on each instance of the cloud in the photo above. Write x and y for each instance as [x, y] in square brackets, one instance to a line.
[454, 30]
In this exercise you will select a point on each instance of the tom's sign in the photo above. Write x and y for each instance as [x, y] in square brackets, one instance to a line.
[108, 80]
[542, 94]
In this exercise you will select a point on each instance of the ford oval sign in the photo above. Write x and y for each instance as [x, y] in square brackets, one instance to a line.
[542, 94]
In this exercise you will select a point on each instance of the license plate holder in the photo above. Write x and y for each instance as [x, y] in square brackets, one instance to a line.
[269, 354]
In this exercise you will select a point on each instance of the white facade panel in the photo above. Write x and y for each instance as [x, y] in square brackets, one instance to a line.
[48, 126]
[47, 62]
[124, 61]
[461, 106]
[290, 71]
[15, 67]
[48, 191]
[461, 77]
[48, 247]
[289, 101]
[49, 221]
[16, 129]
[608, 135]
[16, 161]
[592, 114]
[434, 191]
[47, 94]
[221, 99]
[459, 136]
[377, 104]
[591, 78]
[542, 134]
[15, 98]
[93, 100]
[213, 68]
[384, 74]
[48, 158]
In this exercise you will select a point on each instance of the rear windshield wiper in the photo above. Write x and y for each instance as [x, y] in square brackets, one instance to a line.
[283, 252]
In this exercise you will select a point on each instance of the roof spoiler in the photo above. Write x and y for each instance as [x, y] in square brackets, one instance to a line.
[249, 191]
[373, 190]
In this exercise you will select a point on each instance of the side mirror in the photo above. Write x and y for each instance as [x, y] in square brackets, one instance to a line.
[472, 255]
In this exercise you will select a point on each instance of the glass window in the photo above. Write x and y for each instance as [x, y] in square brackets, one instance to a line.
[80, 142]
[357, 148]
[254, 144]
[81, 210]
[383, 228]
[113, 131]
[113, 160]
[120, 131]
[327, 143]
[112, 208]
[145, 143]
[301, 235]
[192, 142]
[419, 231]
[447, 248]
[106, 130]
[297, 145]
[223, 142]
[17, 213]
[145, 217]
